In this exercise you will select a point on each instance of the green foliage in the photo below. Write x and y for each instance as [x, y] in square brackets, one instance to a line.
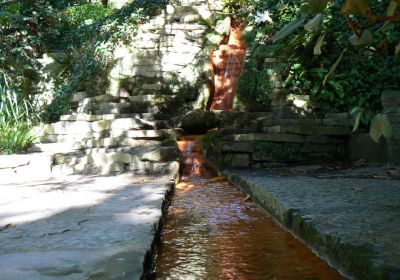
[89, 33]
[22, 26]
[85, 14]
[337, 80]
[15, 120]
[210, 142]
[15, 137]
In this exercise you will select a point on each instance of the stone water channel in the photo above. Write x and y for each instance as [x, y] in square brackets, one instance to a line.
[213, 231]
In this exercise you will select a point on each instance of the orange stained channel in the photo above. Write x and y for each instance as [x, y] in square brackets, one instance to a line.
[228, 63]
[213, 231]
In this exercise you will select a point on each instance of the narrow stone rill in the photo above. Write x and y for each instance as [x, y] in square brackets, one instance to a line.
[213, 231]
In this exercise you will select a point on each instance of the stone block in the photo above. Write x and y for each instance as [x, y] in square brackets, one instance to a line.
[78, 96]
[55, 147]
[318, 130]
[244, 147]
[394, 118]
[146, 167]
[101, 159]
[300, 121]
[391, 110]
[238, 160]
[291, 138]
[280, 152]
[320, 148]
[190, 18]
[323, 139]
[361, 146]
[162, 154]
[391, 98]
[394, 151]
[346, 122]
[396, 131]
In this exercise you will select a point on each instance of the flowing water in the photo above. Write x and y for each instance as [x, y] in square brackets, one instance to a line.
[213, 231]
[227, 63]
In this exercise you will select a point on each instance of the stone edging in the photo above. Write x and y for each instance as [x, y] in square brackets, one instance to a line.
[346, 258]
[150, 257]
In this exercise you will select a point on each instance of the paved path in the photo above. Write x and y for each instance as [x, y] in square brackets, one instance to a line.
[78, 227]
[353, 222]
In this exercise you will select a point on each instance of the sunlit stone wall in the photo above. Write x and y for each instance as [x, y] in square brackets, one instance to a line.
[169, 52]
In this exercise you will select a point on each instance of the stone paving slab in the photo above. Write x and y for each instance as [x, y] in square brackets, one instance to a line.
[78, 227]
[353, 223]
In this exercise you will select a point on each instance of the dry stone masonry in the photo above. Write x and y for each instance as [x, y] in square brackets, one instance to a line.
[169, 53]
[128, 127]
[288, 132]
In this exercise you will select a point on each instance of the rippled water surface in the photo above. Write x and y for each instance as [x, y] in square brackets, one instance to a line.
[213, 232]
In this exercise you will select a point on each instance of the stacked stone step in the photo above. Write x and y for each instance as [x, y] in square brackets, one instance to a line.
[391, 108]
[287, 105]
[128, 128]
[108, 134]
[108, 104]
[168, 54]
[269, 139]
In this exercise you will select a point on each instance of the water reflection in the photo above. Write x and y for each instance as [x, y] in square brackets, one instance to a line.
[211, 233]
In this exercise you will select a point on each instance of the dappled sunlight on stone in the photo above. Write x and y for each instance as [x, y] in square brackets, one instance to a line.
[77, 226]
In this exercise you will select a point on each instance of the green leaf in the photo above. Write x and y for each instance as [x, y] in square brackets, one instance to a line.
[314, 6]
[366, 38]
[288, 29]
[357, 121]
[391, 10]
[318, 45]
[314, 23]
[380, 126]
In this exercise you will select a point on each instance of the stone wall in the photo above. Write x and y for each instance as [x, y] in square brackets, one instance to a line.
[391, 107]
[268, 139]
[169, 54]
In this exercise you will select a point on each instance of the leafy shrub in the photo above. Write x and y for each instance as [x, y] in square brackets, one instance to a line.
[15, 137]
[86, 13]
[91, 44]
[360, 77]
[15, 121]
[22, 26]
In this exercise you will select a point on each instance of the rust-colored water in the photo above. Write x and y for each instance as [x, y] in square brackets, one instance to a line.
[192, 151]
[210, 233]
[228, 63]
[213, 232]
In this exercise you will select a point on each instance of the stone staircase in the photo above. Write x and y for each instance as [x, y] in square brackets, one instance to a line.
[129, 127]
[108, 134]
